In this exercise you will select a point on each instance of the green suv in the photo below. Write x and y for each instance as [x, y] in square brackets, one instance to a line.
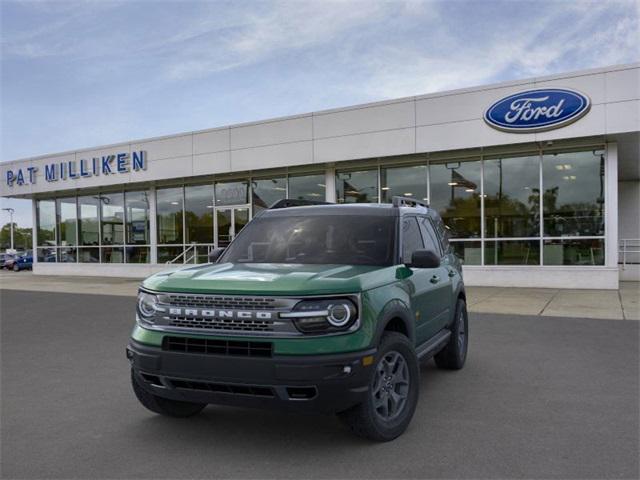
[313, 308]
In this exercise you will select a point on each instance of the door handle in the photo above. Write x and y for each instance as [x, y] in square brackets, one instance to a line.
[435, 279]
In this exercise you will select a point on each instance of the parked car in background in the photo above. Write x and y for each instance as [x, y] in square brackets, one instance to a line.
[23, 262]
[7, 260]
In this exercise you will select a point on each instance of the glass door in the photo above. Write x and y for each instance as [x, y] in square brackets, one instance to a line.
[229, 221]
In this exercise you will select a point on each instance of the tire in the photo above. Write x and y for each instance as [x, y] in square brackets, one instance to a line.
[453, 356]
[164, 406]
[16, 268]
[368, 419]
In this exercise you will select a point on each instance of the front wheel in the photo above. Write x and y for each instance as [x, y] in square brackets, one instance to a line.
[453, 356]
[16, 268]
[392, 395]
[164, 406]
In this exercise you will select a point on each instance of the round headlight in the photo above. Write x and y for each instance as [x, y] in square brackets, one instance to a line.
[147, 304]
[339, 314]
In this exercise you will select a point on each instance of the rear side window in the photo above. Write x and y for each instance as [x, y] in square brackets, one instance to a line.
[411, 238]
[430, 238]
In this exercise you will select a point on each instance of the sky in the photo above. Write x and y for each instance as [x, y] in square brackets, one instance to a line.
[86, 73]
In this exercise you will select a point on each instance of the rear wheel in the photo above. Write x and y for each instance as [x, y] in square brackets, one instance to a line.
[164, 406]
[16, 268]
[393, 392]
[453, 356]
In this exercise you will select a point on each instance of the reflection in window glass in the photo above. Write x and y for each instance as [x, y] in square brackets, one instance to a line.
[512, 252]
[137, 218]
[46, 222]
[411, 238]
[198, 213]
[89, 255]
[573, 198]
[67, 212]
[404, 181]
[137, 254]
[47, 254]
[469, 253]
[67, 255]
[112, 255]
[573, 252]
[112, 218]
[267, 191]
[88, 220]
[357, 187]
[232, 193]
[307, 187]
[455, 195]
[512, 197]
[166, 254]
[169, 206]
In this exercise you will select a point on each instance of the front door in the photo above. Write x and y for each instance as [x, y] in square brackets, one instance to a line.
[229, 222]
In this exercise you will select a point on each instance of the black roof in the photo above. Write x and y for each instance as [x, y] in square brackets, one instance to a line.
[369, 209]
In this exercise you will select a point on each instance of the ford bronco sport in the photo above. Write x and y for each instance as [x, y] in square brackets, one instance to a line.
[314, 308]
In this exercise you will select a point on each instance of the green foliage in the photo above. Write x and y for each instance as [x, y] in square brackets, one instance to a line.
[21, 237]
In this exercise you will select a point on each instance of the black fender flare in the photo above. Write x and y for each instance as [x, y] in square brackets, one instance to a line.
[392, 310]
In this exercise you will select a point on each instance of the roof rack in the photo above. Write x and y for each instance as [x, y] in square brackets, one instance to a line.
[292, 202]
[399, 201]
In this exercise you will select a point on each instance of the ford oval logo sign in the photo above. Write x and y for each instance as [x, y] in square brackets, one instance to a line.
[537, 110]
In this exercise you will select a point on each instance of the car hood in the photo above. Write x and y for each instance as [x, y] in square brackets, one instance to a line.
[272, 279]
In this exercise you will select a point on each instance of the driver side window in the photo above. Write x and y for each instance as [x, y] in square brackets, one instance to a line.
[411, 238]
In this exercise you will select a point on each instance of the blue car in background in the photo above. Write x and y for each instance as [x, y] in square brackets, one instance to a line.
[23, 262]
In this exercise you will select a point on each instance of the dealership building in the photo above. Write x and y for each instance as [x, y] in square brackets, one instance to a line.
[537, 181]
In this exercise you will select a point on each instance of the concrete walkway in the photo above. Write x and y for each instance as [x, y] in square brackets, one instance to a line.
[623, 304]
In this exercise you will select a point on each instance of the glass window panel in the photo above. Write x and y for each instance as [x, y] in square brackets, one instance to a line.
[429, 237]
[512, 252]
[573, 198]
[512, 197]
[307, 187]
[574, 252]
[267, 191]
[357, 187]
[137, 254]
[46, 222]
[411, 238]
[198, 213]
[47, 254]
[67, 254]
[455, 195]
[137, 218]
[202, 254]
[169, 206]
[469, 253]
[67, 221]
[89, 255]
[404, 181]
[112, 255]
[166, 254]
[232, 193]
[112, 205]
[88, 220]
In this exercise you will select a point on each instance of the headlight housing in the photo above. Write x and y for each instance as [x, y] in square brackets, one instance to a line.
[321, 316]
[147, 306]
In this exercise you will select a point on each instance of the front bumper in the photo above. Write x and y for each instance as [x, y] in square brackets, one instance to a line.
[302, 383]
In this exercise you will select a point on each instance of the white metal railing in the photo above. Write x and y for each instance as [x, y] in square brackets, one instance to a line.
[628, 249]
[190, 250]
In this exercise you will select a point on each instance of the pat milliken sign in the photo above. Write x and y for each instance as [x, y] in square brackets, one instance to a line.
[115, 164]
[537, 110]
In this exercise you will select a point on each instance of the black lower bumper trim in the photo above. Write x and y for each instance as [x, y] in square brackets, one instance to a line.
[317, 383]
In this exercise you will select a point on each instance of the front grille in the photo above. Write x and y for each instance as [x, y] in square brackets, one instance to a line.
[215, 301]
[254, 390]
[225, 324]
[217, 347]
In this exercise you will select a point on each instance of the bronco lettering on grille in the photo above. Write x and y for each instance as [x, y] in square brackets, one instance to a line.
[208, 313]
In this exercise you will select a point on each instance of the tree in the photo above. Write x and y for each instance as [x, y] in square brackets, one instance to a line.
[21, 237]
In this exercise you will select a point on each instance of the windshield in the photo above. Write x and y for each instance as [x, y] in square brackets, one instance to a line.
[338, 239]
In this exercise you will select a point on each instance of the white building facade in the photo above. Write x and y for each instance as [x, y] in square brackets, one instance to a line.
[537, 181]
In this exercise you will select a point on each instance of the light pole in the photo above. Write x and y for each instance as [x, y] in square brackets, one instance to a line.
[11, 212]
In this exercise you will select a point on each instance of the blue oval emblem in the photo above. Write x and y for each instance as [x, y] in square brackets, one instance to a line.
[537, 110]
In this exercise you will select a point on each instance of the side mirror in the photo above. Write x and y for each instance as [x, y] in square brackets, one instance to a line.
[424, 259]
[214, 254]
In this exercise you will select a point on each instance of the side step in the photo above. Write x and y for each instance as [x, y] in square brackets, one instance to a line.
[432, 346]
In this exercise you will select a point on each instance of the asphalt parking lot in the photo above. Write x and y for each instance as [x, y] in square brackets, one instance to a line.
[540, 397]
